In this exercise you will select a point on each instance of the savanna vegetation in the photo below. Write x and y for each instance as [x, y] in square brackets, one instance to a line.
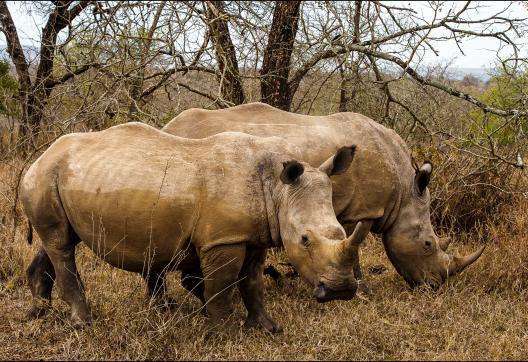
[101, 63]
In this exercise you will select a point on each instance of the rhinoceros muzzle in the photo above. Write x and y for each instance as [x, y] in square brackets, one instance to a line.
[324, 294]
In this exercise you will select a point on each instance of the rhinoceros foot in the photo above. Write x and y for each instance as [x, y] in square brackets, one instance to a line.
[81, 317]
[262, 320]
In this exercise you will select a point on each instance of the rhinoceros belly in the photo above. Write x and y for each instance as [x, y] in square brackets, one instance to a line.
[133, 217]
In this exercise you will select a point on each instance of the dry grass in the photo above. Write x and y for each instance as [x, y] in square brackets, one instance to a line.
[481, 314]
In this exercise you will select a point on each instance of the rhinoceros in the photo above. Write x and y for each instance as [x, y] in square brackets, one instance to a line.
[149, 202]
[383, 189]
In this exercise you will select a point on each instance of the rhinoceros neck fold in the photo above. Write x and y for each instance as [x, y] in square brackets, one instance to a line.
[265, 170]
[390, 216]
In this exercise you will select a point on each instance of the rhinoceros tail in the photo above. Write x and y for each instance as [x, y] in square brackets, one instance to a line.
[30, 233]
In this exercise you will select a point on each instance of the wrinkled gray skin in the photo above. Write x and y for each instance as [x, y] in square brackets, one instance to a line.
[149, 202]
[382, 189]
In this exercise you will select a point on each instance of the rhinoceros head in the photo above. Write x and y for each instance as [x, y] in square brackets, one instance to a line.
[417, 253]
[314, 241]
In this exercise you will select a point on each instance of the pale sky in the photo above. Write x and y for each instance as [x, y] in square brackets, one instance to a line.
[479, 52]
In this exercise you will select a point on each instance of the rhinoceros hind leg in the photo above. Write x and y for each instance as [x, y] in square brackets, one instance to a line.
[59, 241]
[251, 288]
[40, 276]
[221, 266]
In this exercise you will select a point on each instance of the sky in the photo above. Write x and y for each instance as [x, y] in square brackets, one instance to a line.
[479, 52]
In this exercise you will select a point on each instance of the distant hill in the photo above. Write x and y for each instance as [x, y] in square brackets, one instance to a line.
[481, 73]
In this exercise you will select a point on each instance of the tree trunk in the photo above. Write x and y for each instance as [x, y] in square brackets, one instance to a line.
[229, 77]
[274, 86]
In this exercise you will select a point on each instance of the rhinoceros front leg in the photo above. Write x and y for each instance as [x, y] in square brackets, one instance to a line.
[251, 288]
[221, 266]
[40, 276]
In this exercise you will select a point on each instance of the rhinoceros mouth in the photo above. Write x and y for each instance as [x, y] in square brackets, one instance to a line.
[323, 294]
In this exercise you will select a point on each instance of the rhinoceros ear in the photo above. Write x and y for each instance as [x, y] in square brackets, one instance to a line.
[339, 163]
[422, 177]
[291, 172]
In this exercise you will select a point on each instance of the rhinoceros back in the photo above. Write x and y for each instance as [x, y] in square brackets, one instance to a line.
[317, 136]
[370, 189]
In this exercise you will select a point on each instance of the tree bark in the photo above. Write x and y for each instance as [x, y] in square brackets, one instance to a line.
[229, 77]
[275, 87]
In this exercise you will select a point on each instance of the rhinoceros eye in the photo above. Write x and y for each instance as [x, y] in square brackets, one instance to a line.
[305, 241]
[428, 246]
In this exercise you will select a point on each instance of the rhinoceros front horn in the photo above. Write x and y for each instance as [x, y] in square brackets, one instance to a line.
[351, 243]
[460, 263]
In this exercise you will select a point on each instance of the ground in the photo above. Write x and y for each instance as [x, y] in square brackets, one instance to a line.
[465, 319]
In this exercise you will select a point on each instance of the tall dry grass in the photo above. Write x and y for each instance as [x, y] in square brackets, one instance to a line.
[480, 314]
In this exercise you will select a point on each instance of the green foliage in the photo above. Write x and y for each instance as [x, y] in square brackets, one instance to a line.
[8, 88]
[507, 90]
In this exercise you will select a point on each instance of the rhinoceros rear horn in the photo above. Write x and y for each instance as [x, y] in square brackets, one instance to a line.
[462, 262]
[291, 172]
[423, 176]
